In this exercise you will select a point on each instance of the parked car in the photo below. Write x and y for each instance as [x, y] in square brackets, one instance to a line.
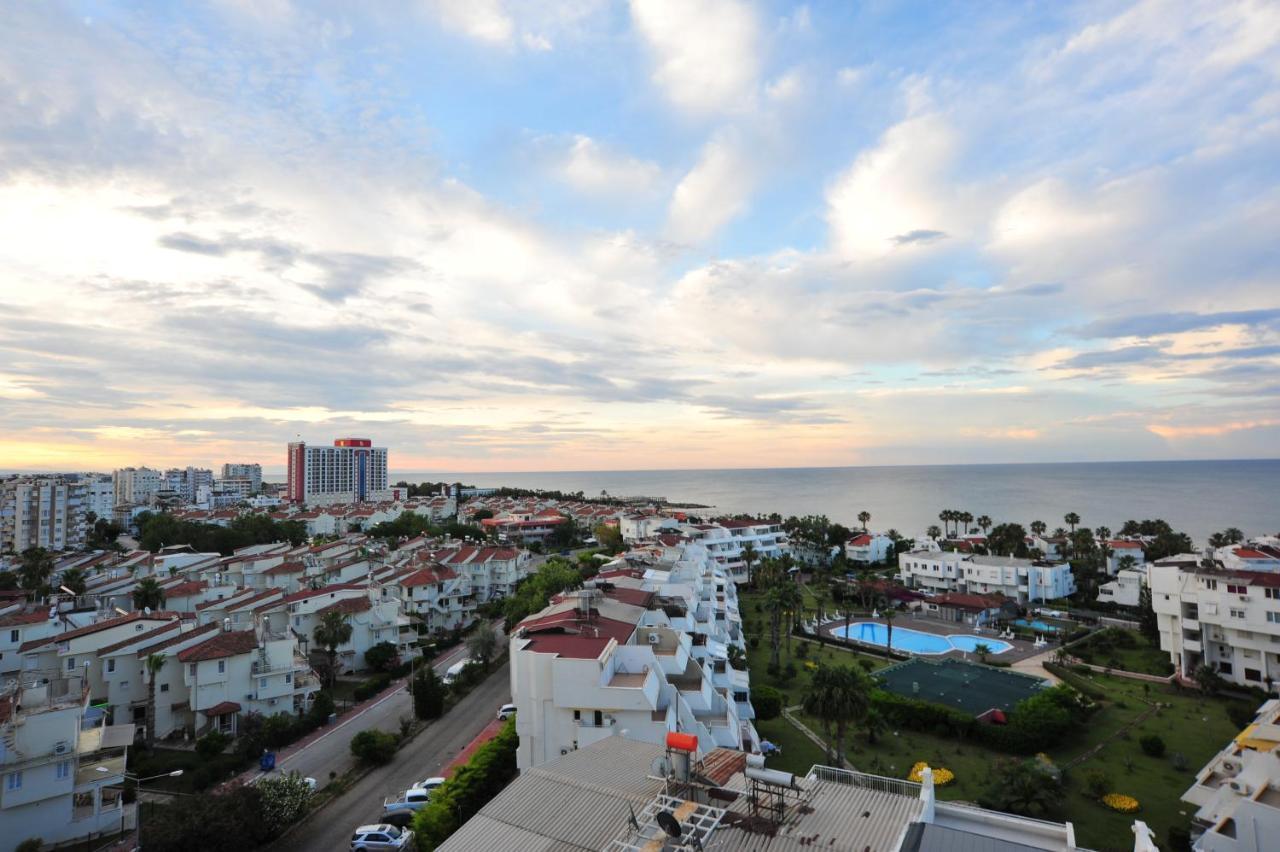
[410, 799]
[451, 673]
[380, 836]
[401, 818]
[429, 784]
[506, 711]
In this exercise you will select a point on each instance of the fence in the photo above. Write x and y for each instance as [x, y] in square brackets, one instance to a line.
[879, 783]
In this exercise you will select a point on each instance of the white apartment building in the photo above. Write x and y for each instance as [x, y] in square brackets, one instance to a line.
[373, 611]
[725, 541]
[242, 470]
[1227, 620]
[187, 482]
[1023, 580]
[41, 511]
[136, 485]
[1125, 589]
[867, 548]
[63, 771]
[438, 596]
[99, 495]
[1118, 549]
[18, 628]
[636, 526]
[351, 471]
[492, 571]
[1237, 793]
[640, 650]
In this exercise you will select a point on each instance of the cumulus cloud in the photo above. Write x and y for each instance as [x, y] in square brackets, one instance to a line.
[714, 191]
[590, 168]
[706, 53]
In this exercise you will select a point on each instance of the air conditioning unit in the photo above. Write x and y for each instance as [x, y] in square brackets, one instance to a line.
[272, 702]
[1241, 787]
[564, 751]
[61, 747]
[248, 696]
[654, 639]
[1231, 766]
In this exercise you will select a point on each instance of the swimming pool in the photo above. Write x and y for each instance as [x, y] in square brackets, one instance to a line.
[1036, 624]
[917, 642]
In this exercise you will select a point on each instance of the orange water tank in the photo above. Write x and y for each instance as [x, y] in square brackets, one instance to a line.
[682, 742]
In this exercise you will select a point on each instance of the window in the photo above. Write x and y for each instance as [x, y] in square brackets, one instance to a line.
[111, 666]
[64, 769]
[13, 781]
[1211, 585]
[1237, 613]
[1274, 618]
[1224, 667]
[222, 666]
[193, 669]
[1237, 590]
[164, 687]
[13, 636]
[262, 683]
[1272, 594]
[1252, 674]
[288, 677]
[71, 664]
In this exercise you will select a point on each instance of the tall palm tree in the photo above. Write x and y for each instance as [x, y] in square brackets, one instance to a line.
[863, 517]
[749, 556]
[984, 521]
[1103, 535]
[775, 603]
[1038, 527]
[934, 532]
[966, 518]
[34, 571]
[74, 579]
[793, 600]
[148, 594]
[155, 662]
[889, 614]
[333, 630]
[945, 517]
[1126, 563]
[1071, 519]
[839, 696]
[820, 592]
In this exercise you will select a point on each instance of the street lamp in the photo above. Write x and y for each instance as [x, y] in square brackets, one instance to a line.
[137, 782]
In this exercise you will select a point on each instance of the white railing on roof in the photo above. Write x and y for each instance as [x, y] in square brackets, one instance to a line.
[895, 786]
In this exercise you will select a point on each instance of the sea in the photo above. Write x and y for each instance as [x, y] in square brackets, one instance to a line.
[1195, 497]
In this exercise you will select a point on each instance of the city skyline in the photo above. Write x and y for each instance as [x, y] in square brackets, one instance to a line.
[628, 236]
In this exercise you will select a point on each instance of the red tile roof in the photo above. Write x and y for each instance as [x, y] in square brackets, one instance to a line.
[428, 576]
[722, 764]
[15, 618]
[224, 709]
[964, 601]
[1125, 545]
[347, 606]
[185, 590]
[285, 568]
[90, 629]
[860, 541]
[225, 644]
[141, 637]
[202, 630]
[1250, 553]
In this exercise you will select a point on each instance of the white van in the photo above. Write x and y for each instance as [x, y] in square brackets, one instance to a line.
[451, 674]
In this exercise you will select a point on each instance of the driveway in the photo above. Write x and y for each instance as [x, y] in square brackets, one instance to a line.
[426, 755]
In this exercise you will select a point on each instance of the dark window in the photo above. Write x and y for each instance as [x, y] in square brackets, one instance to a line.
[1224, 667]
[1252, 674]
[577, 715]
[598, 718]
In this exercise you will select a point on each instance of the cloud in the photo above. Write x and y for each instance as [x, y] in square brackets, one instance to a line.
[714, 191]
[920, 236]
[706, 52]
[483, 20]
[1174, 432]
[591, 169]
[1149, 325]
[1110, 357]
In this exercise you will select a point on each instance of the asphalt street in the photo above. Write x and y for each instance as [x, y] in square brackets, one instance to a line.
[331, 827]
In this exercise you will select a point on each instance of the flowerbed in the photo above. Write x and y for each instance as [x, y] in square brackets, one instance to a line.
[941, 777]
[1120, 802]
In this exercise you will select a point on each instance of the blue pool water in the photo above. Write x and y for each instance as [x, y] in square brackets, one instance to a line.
[1036, 624]
[906, 639]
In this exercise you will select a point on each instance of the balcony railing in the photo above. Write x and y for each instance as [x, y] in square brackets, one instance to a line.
[896, 786]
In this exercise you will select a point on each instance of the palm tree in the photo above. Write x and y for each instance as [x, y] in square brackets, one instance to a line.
[148, 594]
[775, 604]
[333, 630]
[749, 555]
[1071, 519]
[34, 571]
[873, 725]
[983, 650]
[984, 521]
[155, 662]
[1103, 535]
[945, 517]
[1126, 563]
[966, 518]
[793, 599]
[888, 615]
[820, 592]
[482, 643]
[75, 580]
[1038, 527]
[839, 696]
[863, 517]
[934, 532]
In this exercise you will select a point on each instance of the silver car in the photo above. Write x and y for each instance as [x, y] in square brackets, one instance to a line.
[381, 836]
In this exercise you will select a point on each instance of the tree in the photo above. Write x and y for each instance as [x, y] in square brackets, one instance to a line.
[767, 702]
[775, 603]
[889, 614]
[946, 516]
[1008, 540]
[983, 650]
[75, 580]
[1023, 787]
[966, 518]
[609, 537]
[374, 747]
[284, 799]
[34, 570]
[482, 643]
[148, 594]
[428, 693]
[1148, 624]
[1038, 527]
[1226, 538]
[839, 696]
[863, 517]
[749, 556]
[934, 532]
[984, 521]
[565, 534]
[155, 663]
[333, 630]
[873, 725]
[1071, 519]
[382, 657]
[1207, 679]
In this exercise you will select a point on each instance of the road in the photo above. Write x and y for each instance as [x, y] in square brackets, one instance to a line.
[426, 755]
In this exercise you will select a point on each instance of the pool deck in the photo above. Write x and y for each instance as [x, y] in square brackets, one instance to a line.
[1021, 650]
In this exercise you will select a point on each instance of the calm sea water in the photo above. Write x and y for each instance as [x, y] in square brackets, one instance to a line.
[1197, 497]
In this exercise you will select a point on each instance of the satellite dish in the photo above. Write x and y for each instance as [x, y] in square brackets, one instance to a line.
[146, 610]
[668, 823]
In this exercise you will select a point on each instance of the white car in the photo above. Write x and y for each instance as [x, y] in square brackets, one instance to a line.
[380, 836]
[506, 711]
[411, 799]
[429, 784]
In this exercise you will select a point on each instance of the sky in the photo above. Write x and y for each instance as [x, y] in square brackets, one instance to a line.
[498, 235]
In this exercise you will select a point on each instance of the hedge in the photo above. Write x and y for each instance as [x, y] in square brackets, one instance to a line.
[472, 786]
[1081, 684]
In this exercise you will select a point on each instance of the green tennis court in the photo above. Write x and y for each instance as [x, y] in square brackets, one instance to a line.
[964, 686]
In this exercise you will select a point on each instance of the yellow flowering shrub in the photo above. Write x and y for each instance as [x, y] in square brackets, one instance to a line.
[811, 665]
[941, 777]
[1120, 802]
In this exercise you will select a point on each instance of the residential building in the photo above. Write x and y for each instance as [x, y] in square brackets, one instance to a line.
[19, 627]
[374, 612]
[867, 548]
[726, 539]
[1125, 589]
[609, 796]
[136, 485]
[492, 571]
[1022, 580]
[351, 471]
[242, 470]
[525, 528]
[1118, 549]
[63, 766]
[635, 526]
[643, 648]
[438, 596]
[1226, 619]
[1237, 793]
[187, 482]
[99, 495]
[42, 511]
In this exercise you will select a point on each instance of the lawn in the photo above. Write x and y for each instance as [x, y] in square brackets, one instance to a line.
[1127, 650]
[1191, 725]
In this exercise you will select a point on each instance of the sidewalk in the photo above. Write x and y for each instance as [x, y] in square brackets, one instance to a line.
[490, 731]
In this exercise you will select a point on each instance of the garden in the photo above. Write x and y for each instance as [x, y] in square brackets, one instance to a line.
[1125, 650]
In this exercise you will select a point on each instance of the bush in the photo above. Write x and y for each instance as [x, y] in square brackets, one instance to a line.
[382, 657]
[1152, 745]
[212, 744]
[1097, 783]
[370, 687]
[321, 709]
[789, 672]
[284, 799]
[483, 776]
[374, 747]
[767, 702]
[278, 730]
[31, 844]
[1179, 761]
[1178, 838]
[229, 822]
[428, 694]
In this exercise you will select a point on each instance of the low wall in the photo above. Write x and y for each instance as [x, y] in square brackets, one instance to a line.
[1149, 678]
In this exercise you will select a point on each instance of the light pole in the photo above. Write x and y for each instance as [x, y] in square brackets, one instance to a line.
[137, 782]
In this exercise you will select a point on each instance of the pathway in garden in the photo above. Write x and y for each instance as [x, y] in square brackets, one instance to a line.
[1035, 666]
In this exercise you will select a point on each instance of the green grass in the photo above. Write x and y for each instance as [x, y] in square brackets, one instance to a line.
[1142, 657]
[1194, 726]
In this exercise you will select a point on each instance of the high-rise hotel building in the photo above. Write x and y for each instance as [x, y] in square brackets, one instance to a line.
[350, 471]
